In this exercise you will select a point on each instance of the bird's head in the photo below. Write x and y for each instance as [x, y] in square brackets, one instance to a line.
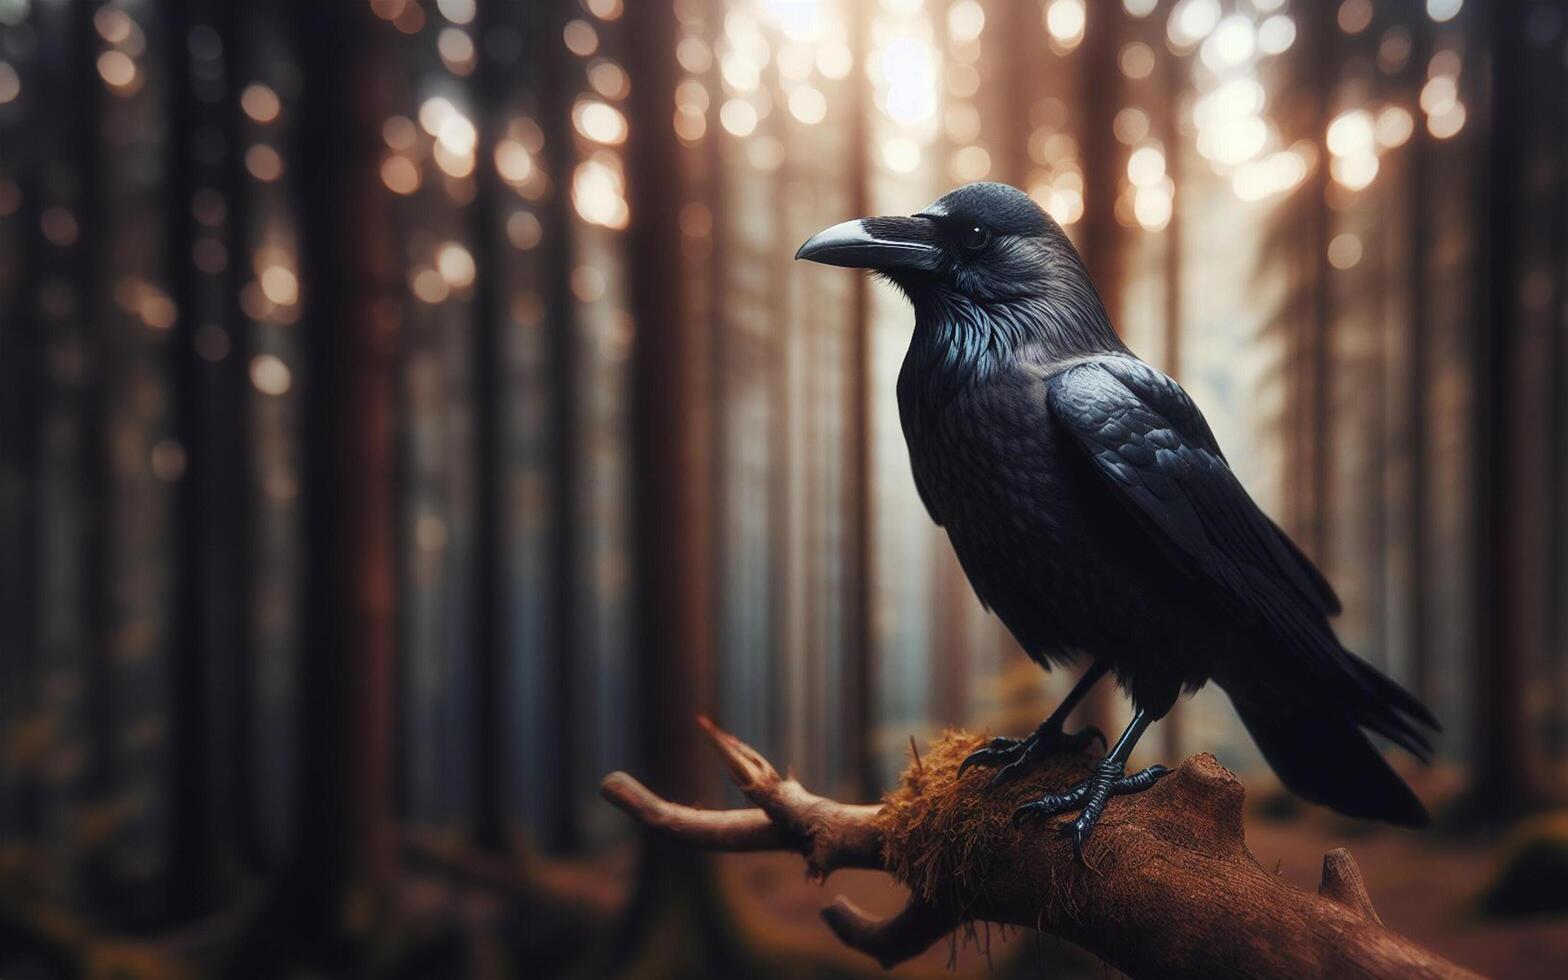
[987, 243]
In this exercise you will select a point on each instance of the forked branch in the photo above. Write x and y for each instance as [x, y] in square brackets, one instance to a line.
[1167, 886]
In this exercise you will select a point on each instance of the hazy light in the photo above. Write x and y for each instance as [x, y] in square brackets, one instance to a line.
[1131, 125]
[694, 55]
[738, 117]
[1136, 60]
[1438, 94]
[429, 285]
[1140, 8]
[1443, 10]
[1344, 251]
[453, 163]
[456, 49]
[690, 124]
[1277, 34]
[279, 285]
[1350, 134]
[1444, 62]
[260, 102]
[263, 162]
[455, 264]
[1447, 123]
[117, 69]
[808, 105]
[765, 154]
[911, 80]
[1152, 207]
[1065, 20]
[400, 174]
[523, 230]
[1355, 15]
[456, 11]
[10, 83]
[456, 133]
[1354, 172]
[901, 155]
[1393, 51]
[599, 194]
[971, 163]
[1233, 140]
[588, 284]
[1191, 21]
[112, 24]
[1274, 174]
[1146, 166]
[513, 161]
[599, 122]
[1231, 44]
[609, 79]
[605, 9]
[580, 38]
[965, 20]
[399, 132]
[962, 121]
[834, 59]
[270, 375]
[1237, 97]
[433, 112]
[1394, 126]
[1066, 205]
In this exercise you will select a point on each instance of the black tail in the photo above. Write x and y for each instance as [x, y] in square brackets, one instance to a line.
[1325, 758]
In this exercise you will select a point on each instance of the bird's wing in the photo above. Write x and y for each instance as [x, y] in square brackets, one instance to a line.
[1174, 481]
[1164, 396]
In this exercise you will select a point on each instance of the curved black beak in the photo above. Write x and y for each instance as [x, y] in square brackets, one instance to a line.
[876, 243]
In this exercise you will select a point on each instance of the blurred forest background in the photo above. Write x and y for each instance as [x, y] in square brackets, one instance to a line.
[410, 412]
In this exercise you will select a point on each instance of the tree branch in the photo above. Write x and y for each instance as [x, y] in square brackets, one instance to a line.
[1167, 886]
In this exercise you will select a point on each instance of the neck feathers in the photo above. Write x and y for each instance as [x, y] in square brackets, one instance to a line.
[958, 340]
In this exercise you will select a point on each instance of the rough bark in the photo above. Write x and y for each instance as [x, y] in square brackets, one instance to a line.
[1166, 888]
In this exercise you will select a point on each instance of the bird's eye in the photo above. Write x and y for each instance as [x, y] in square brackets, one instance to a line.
[976, 237]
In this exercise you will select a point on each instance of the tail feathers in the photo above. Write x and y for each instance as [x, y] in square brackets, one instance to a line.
[1325, 758]
[1390, 710]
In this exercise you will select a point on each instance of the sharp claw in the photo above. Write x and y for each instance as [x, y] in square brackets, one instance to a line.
[998, 750]
[1009, 772]
[975, 758]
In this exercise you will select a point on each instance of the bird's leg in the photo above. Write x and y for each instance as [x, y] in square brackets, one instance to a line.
[1016, 756]
[1108, 779]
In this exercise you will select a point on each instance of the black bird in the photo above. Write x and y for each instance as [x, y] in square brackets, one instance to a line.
[1093, 511]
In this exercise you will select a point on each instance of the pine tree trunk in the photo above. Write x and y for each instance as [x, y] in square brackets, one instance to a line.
[348, 382]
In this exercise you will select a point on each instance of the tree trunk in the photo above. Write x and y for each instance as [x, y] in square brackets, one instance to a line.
[191, 881]
[860, 546]
[1102, 241]
[341, 835]
[234, 553]
[670, 435]
[1506, 777]
[1174, 78]
[488, 627]
[561, 82]
[1417, 378]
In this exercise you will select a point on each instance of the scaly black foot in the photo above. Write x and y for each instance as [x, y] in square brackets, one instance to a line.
[1017, 756]
[1090, 796]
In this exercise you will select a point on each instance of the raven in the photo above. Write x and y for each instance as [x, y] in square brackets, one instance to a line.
[1092, 509]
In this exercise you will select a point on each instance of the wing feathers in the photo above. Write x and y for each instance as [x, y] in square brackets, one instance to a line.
[1179, 487]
